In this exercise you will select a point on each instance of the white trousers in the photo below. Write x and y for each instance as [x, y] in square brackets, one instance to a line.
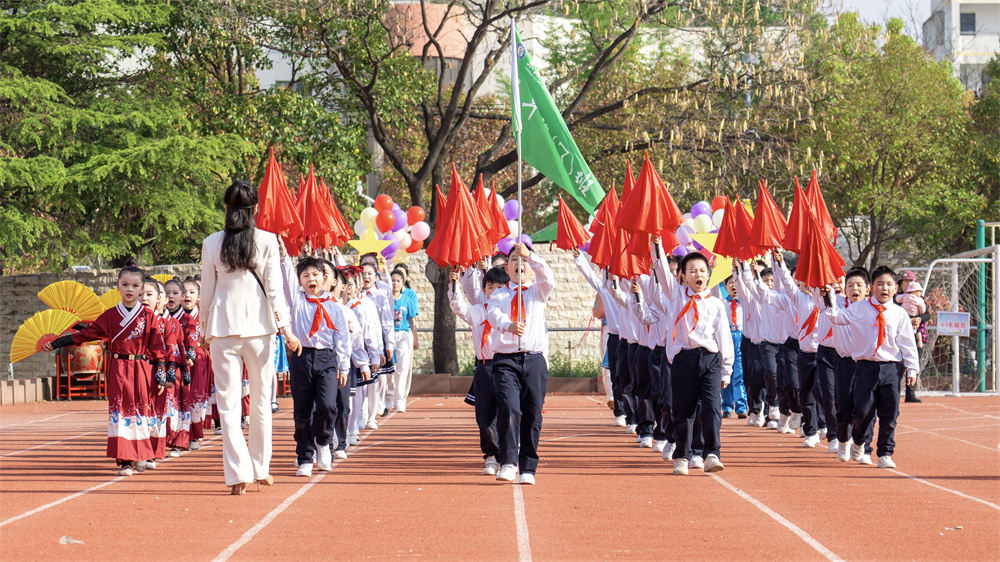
[399, 386]
[364, 408]
[229, 355]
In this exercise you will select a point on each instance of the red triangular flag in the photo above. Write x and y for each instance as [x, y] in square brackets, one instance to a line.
[434, 247]
[569, 231]
[742, 230]
[768, 223]
[499, 221]
[726, 242]
[819, 263]
[482, 203]
[649, 207]
[276, 210]
[464, 234]
[602, 227]
[820, 211]
[795, 229]
[317, 218]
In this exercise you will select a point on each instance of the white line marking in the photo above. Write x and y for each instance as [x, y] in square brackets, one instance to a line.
[521, 522]
[59, 501]
[573, 436]
[49, 418]
[252, 531]
[827, 553]
[44, 445]
[967, 412]
[949, 490]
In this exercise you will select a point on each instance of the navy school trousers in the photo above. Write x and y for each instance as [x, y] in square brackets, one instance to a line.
[827, 362]
[486, 407]
[519, 381]
[696, 374]
[876, 392]
[788, 377]
[642, 404]
[616, 385]
[625, 378]
[659, 369]
[313, 374]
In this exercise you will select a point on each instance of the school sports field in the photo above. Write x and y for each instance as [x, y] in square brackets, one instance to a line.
[413, 489]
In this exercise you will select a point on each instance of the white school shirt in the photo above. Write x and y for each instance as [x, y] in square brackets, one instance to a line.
[649, 315]
[359, 356]
[664, 307]
[475, 316]
[534, 297]
[472, 285]
[303, 312]
[639, 316]
[804, 308]
[611, 311]
[899, 345]
[712, 330]
[371, 334]
[831, 335]
[751, 309]
[627, 321]
[772, 307]
[384, 311]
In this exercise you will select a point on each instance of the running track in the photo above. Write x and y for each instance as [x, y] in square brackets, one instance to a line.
[413, 489]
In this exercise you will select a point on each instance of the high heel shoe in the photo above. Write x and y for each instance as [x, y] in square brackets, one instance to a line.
[238, 489]
[268, 481]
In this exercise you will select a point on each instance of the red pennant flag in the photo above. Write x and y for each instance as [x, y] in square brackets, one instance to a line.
[795, 229]
[820, 211]
[742, 230]
[464, 233]
[313, 206]
[819, 263]
[726, 243]
[649, 207]
[768, 223]
[601, 245]
[436, 243]
[276, 209]
[569, 231]
[499, 221]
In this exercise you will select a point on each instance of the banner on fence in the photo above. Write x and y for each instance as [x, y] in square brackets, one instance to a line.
[953, 324]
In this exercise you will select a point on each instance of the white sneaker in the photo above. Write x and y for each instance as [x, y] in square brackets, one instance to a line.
[771, 424]
[865, 459]
[752, 420]
[619, 421]
[783, 424]
[325, 458]
[218, 431]
[631, 429]
[713, 464]
[151, 465]
[140, 466]
[353, 439]
[638, 439]
[811, 441]
[338, 454]
[833, 446]
[194, 446]
[491, 466]
[760, 420]
[885, 461]
[305, 469]
[823, 432]
[401, 406]
[526, 478]
[174, 453]
[372, 424]
[681, 467]
[659, 446]
[773, 413]
[507, 473]
[697, 462]
[857, 451]
[794, 421]
[844, 451]
[125, 471]
[646, 443]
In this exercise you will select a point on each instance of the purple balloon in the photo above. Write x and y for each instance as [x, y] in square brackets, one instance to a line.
[511, 210]
[696, 245]
[505, 245]
[586, 246]
[687, 216]
[395, 206]
[525, 239]
[390, 250]
[715, 230]
[684, 233]
[400, 223]
[680, 251]
[701, 208]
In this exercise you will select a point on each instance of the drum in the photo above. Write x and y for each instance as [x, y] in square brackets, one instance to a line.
[86, 358]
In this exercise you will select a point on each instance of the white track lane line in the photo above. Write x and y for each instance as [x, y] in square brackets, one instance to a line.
[966, 411]
[5, 455]
[806, 537]
[947, 437]
[521, 522]
[49, 418]
[942, 488]
[253, 531]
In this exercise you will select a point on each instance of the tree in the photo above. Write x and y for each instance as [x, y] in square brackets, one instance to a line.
[894, 158]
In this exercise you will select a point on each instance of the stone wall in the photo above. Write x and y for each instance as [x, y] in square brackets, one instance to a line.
[570, 307]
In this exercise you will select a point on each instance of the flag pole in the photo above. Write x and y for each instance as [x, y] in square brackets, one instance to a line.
[515, 99]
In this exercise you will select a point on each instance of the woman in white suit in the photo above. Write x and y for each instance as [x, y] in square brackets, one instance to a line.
[243, 307]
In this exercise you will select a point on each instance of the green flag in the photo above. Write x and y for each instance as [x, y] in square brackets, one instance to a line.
[545, 140]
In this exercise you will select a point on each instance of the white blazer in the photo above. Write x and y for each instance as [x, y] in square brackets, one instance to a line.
[232, 303]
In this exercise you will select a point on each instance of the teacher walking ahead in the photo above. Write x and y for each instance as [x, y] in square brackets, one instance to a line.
[243, 307]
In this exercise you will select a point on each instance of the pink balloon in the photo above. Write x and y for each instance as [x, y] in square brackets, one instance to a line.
[420, 231]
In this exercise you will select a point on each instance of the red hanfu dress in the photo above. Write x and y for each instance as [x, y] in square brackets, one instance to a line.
[134, 345]
[201, 374]
[178, 419]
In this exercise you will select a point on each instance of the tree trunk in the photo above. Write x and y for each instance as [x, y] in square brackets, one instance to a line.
[444, 347]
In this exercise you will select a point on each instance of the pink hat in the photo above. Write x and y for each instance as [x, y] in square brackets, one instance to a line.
[913, 287]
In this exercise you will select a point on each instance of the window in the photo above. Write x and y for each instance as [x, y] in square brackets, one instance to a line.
[967, 24]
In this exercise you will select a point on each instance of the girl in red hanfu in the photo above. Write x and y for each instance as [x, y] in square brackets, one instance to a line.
[178, 415]
[199, 363]
[150, 298]
[135, 350]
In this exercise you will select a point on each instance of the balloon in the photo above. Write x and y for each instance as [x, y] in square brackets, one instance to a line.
[390, 250]
[420, 231]
[684, 233]
[396, 207]
[715, 230]
[679, 251]
[368, 216]
[717, 217]
[719, 202]
[415, 246]
[360, 228]
[586, 246]
[513, 226]
[414, 215]
[703, 223]
[525, 239]
[383, 203]
[405, 240]
[687, 216]
[701, 208]
[400, 220]
[512, 210]
[505, 245]
[695, 244]
[385, 220]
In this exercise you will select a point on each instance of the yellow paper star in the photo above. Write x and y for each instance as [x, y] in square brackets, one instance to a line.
[723, 265]
[369, 243]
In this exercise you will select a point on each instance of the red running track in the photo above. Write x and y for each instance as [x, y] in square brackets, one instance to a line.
[413, 489]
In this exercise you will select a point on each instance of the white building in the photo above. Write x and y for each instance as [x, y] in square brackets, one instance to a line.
[967, 33]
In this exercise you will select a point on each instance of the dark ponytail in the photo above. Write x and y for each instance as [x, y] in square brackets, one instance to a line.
[239, 249]
[131, 267]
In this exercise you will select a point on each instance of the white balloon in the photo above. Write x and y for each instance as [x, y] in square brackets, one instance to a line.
[513, 226]
[360, 228]
[500, 201]
[702, 223]
[717, 218]
[404, 241]
[368, 215]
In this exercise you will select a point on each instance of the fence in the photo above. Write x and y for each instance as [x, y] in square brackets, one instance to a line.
[965, 283]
